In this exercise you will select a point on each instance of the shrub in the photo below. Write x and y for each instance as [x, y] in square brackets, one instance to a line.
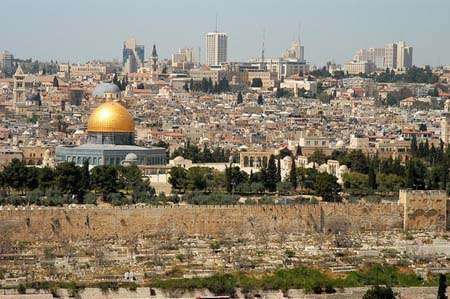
[22, 289]
[89, 198]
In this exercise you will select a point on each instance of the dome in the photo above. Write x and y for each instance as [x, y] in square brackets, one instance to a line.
[131, 157]
[102, 88]
[111, 117]
[343, 168]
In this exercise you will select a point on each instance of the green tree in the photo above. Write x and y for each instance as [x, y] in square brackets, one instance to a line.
[104, 179]
[415, 174]
[307, 177]
[442, 290]
[234, 177]
[318, 157]
[200, 178]
[356, 161]
[390, 182]
[260, 100]
[298, 151]
[414, 146]
[16, 175]
[284, 188]
[257, 83]
[377, 292]
[177, 178]
[85, 176]
[372, 180]
[293, 174]
[46, 177]
[271, 175]
[239, 99]
[67, 179]
[327, 187]
[356, 183]
[130, 177]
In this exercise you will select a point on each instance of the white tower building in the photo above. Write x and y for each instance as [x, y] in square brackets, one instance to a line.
[216, 48]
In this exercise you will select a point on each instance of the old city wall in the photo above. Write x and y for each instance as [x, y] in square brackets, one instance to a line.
[219, 221]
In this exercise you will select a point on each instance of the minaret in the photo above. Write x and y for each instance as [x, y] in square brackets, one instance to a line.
[154, 59]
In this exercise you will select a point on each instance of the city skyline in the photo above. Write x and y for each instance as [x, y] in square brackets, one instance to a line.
[59, 36]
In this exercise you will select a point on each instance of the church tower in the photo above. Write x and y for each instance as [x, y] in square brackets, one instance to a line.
[19, 86]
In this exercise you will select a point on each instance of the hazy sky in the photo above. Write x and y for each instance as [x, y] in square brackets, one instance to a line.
[81, 30]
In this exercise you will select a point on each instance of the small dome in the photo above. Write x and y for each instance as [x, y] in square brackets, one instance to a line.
[323, 168]
[111, 117]
[287, 159]
[178, 159]
[343, 168]
[131, 157]
[340, 144]
[102, 88]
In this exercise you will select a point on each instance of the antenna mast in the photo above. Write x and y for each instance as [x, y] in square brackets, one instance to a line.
[263, 46]
[299, 30]
[217, 26]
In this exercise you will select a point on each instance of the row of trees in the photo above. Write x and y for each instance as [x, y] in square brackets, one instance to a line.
[427, 168]
[207, 86]
[268, 180]
[68, 183]
[206, 155]
[412, 75]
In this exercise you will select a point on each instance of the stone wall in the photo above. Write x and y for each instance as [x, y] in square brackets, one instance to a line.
[416, 210]
[88, 293]
[128, 222]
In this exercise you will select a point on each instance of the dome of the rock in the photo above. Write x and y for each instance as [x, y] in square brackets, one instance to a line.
[111, 117]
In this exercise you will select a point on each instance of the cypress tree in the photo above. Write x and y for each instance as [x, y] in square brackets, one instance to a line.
[239, 99]
[278, 170]
[372, 177]
[260, 100]
[442, 290]
[293, 174]
[414, 146]
[299, 151]
[270, 177]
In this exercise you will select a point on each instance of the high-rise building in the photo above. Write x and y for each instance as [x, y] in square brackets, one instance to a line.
[7, 63]
[216, 48]
[359, 67]
[377, 57]
[296, 51]
[393, 56]
[183, 55]
[374, 55]
[404, 56]
[390, 51]
[133, 55]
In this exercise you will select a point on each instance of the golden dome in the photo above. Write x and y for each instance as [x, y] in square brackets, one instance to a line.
[111, 117]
